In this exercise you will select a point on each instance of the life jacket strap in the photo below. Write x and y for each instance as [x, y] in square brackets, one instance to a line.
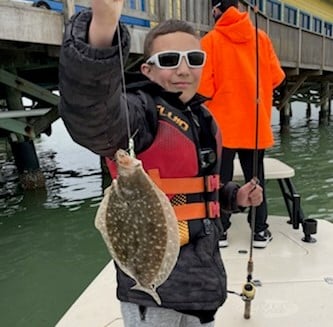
[184, 232]
[185, 185]
[198, 210]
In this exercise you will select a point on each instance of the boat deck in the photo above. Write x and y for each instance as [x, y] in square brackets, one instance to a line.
[296, 279]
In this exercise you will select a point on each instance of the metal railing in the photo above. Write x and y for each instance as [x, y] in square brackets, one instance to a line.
[296, 47]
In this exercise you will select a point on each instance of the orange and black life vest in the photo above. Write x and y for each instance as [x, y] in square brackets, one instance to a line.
[173, 163]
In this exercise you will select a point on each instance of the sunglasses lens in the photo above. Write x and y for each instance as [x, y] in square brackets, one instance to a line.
[170, 59]
[195, 58]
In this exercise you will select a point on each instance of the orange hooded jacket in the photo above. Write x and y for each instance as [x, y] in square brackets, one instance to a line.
[229, 78]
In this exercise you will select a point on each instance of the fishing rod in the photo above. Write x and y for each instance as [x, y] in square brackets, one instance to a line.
[248, 291]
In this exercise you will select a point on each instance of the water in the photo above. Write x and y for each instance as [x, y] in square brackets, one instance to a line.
[309, 150]
[50, 250]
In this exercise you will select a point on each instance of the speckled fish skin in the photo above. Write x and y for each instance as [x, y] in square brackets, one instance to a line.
[139, 226]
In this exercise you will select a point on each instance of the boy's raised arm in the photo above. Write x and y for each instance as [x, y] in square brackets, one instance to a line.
[91, 104]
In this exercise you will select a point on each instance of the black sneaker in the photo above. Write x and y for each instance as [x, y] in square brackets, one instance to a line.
[261, 239]
[223, 241]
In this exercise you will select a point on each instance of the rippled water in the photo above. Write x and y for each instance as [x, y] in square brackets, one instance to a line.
[309, 150]
[50, 250]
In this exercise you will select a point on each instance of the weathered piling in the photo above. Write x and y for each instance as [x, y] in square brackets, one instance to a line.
[324, 103]
[285, 111]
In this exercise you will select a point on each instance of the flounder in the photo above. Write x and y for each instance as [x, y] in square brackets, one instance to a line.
[139, 226]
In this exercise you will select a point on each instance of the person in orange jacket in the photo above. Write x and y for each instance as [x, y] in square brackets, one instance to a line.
[229, 78]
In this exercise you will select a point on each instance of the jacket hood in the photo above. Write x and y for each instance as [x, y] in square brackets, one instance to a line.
[235, 25]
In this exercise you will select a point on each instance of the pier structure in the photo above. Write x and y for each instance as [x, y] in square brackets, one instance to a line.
[31, 34]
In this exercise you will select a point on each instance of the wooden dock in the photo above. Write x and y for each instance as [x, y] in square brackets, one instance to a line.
[30, 39]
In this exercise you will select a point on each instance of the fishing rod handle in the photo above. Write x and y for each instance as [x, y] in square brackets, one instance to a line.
[247, 310]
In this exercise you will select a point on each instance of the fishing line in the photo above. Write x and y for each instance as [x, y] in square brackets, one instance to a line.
[122, 68]
[255, 153]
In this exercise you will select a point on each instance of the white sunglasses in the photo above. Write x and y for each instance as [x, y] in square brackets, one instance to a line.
[172, 59]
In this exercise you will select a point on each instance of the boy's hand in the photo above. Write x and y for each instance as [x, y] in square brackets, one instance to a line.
[107, 12]
[250, 194]
[106, 15]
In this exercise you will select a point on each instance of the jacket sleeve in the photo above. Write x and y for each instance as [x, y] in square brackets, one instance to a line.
[278, 74]
[92, 106]
[228, 198]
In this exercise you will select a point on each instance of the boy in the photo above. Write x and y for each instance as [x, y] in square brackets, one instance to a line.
[173, 134]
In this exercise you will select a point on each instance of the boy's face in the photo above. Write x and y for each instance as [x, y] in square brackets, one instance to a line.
[181, 79]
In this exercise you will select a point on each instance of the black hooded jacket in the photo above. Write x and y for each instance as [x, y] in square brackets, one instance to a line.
[96, 114]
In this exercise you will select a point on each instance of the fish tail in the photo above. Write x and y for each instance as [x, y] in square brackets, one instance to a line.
[151, 291]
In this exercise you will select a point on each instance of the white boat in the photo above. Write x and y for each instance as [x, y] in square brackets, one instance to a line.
[293, 278]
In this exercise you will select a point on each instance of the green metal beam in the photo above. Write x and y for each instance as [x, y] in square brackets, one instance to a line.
[23, 113]
[34, 127]
[27, 87]
[300, 80]
[17, 126]
[40, 124]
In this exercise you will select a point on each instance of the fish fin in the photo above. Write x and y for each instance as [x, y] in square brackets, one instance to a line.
[101, 211]
[151, 291]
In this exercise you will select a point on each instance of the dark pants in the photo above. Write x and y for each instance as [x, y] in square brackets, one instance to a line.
[246, 160]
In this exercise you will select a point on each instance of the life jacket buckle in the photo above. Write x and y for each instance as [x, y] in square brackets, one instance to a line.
[212, 183]
[213, 209]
